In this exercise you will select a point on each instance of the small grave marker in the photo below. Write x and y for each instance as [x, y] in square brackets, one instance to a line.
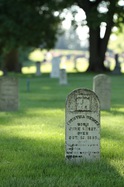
[102, 88]
[38, 65]
[8, 94]
[63, 77]
[82, 133]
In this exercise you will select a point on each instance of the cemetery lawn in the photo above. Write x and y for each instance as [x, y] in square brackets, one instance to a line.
[32, 147]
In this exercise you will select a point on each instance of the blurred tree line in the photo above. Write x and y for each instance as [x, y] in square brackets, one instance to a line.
[25, 24]
[34, 23]
[70, 40]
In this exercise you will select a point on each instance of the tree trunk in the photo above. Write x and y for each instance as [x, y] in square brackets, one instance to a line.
[11, 63]
[97, 50]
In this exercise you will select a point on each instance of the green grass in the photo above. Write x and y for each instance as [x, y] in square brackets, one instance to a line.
[32, 139]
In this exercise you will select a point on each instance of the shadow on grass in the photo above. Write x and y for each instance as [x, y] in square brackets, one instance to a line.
[40, 162]
[111, 134]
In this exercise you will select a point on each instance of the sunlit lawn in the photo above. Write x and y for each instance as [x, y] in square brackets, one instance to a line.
[81, 66]
[32, 139]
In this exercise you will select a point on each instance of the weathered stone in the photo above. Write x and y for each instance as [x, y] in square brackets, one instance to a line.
[8, 94]
[82, 133]
[102, 88]
[63, 77]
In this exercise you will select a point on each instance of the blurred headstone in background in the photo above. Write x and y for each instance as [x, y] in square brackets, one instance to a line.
[102, 88]
[63, 77]
[38, 65]
[8, 94]
[55, 67]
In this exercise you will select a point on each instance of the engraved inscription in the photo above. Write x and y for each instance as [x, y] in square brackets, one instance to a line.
[83, 102]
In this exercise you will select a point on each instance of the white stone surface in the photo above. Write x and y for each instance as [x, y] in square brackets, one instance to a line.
[55, 67]
[82, 131]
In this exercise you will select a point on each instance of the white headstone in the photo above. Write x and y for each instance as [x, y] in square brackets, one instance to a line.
[55, 67]
[8, 94]
[82, 133]
[102, 87]
[63, 77]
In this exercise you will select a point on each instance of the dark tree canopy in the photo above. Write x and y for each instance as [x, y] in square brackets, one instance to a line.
[27, 23]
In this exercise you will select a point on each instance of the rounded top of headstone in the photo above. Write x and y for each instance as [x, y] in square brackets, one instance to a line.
[82, 100]
[101, 76]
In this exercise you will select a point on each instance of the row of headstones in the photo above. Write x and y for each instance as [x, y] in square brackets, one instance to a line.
[82, 134]
[9, 92]
[56, 61]
[56, 72]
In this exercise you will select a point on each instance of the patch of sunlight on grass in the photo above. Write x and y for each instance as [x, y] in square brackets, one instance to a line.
[114, 123]
[31, 111]
[70, 67]
[26, 70]
[113, 151]
[112, 64]
[122, 67]
[118, 163]
[37, 55]
[120, 109]
[46, 67]
[1, 73]
[38, 127]
[82, 65]
[41, 132]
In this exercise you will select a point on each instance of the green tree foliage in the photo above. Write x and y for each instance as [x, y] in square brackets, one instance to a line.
[27, 23]
[69, 40]
[116, 43]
